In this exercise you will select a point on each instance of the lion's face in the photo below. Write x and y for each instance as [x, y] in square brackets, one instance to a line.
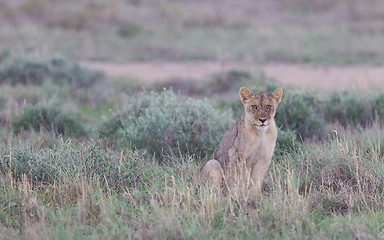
[260, 108]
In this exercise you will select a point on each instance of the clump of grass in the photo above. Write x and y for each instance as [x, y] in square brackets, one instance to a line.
[165, 123]
[346, 172]
[58, 70]
[69, 160]
[48, 117]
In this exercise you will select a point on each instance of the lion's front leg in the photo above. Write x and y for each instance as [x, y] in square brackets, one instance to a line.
[258, 173]
[237, 171]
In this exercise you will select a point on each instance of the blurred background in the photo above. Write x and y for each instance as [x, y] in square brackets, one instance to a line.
[158, 40]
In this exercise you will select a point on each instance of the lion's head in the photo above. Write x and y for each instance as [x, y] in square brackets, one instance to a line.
[260, 108]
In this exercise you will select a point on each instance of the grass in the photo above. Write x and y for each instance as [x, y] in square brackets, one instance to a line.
[299, 201]
[341, 32]
[100, 185]
[83, 168]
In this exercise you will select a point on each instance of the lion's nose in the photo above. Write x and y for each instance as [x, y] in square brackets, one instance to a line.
[262, 120]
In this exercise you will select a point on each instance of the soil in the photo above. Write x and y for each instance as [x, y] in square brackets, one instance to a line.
[330, 77]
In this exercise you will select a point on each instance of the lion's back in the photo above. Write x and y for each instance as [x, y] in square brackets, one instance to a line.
[226, 143]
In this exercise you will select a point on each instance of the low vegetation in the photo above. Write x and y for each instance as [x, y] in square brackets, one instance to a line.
[48, 117]
[313, 31]
[127, 165]
[330, 190]
[308, 113]
[58, 70]
[166, 124]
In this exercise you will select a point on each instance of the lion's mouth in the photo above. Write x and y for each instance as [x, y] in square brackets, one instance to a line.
[261, 125]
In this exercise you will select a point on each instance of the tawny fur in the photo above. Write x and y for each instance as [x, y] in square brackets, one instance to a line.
[245, 152]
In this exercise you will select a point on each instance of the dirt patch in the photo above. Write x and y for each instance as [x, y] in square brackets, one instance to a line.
[333, 77]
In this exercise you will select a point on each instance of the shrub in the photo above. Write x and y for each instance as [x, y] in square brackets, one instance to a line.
[302, 112]
[60, 71]
[377, 103]
[128, 29]
[352, 107]
[233, 105]
[286, 143]
[165, 123]
[224, 82]
[69, 160]
[111, 127]
[347, 107]
[24, 161]
[50, 118]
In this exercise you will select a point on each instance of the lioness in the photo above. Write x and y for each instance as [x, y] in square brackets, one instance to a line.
[245, 152]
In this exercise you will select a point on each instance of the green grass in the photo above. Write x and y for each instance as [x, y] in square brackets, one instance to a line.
[110, 187]
[167, 201]
[326, 178]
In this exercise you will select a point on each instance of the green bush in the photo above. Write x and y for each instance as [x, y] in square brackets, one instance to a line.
[129, 29]
[309, 113]
[302, 112]
[60, 71]
[230, 80]
[49, 118]
[352, 107]
[377, 103]
[24, 161]
[165, 123]
[233, 105]
[286, 143]
[69, 160]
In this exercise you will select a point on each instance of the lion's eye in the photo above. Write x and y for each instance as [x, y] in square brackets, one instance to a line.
[268, 107]
[254, 107]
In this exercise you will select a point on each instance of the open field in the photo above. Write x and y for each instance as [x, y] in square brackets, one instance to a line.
[95, 158]
[116, 153]
[326, 32]
[304, 75]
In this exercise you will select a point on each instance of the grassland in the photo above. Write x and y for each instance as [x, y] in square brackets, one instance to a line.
[96, 160]
[87, 156]
[326, 32]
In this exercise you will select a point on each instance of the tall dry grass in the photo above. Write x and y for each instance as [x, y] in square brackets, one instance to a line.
[329, 190]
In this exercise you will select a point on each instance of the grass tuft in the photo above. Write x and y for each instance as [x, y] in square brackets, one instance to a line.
[48, 117]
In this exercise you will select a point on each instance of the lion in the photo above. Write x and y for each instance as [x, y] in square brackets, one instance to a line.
[245, 152]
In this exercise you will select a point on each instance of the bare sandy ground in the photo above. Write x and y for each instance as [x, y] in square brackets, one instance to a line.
[332, 77]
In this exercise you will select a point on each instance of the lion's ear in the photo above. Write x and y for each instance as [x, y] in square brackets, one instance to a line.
[245, 94]
[277, 94]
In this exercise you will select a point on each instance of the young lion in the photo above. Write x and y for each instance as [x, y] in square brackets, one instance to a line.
[246, 150]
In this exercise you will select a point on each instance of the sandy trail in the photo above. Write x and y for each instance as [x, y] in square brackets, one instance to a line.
[331, 77]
